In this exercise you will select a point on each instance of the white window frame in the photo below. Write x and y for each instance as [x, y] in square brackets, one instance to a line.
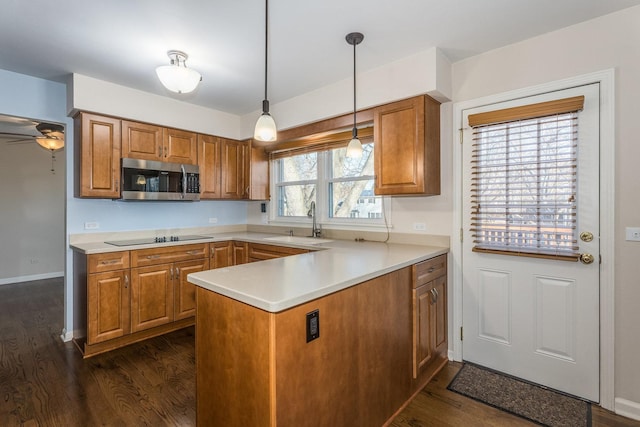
[322, 200]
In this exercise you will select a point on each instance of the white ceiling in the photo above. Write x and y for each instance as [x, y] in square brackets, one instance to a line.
[123, 41]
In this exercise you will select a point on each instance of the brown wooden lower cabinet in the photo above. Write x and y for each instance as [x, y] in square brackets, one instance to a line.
[108, 301]
[261, 252]
[134, 295]
[358, 372]
[429, 318]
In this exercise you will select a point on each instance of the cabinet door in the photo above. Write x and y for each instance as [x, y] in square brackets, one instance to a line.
[439, 317]
[423, 300]
[407, 147]
[98, 153]
[240, 253]
[108, 309]
[180, 147]
[232, 157]
[185, 292]
[209, 163]
[256, 173]
[221, 254]
[151, 296]
[141, 141]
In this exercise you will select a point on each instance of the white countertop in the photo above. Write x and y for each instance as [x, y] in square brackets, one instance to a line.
[281, 283]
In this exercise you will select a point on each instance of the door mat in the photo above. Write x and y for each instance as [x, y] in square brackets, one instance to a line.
[530, 401]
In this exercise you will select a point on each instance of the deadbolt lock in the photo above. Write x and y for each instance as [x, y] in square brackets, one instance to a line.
[586, 258]
[586, 236]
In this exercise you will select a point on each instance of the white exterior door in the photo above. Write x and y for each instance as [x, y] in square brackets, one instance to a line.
[538, 319]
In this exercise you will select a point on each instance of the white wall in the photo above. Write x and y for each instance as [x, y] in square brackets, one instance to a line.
[608, 42]
[31, 212]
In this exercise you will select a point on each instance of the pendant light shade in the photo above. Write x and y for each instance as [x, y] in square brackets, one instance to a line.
[266, 130]
[177, 77]
[354, 149]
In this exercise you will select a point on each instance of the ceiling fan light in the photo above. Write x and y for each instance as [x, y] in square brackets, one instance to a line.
[266, 129]
[52, 144]
[177, 77]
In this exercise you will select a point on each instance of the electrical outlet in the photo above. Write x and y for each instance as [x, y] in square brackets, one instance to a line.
[313, 325]
[263, 207]
[213, 220]
[632, 234]
[91, 225]
[419, 226]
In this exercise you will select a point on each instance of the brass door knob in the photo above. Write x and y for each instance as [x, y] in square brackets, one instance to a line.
[586, 258]
[586, 236]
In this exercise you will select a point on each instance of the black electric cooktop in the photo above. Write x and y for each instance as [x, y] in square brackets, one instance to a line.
[153, 240]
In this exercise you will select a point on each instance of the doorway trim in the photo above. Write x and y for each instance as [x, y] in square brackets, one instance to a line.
[606, 79]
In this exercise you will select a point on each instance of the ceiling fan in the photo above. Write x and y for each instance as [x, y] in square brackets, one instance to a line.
[16, 130]
[21, 131]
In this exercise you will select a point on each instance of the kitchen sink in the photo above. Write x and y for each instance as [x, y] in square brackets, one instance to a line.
[299, 239]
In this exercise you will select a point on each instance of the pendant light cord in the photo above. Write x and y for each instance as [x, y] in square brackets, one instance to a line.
[355, 129]
[266, 44]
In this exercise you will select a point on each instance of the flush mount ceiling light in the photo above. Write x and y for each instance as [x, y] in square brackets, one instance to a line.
[266, 130]
[177, 77]
[354, 149]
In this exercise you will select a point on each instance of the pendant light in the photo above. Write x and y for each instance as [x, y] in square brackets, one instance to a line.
[177, 77]
[354, 149]
[266, 130]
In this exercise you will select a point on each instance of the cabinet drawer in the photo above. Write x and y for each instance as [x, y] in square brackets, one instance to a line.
[109, 261]
[143, 257]
[426, 271]
[259, 252]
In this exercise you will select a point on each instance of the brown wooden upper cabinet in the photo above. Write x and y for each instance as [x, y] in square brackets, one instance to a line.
[256, 172]
[150, 142]
[97, 152]
[231, 169]
[407, 147]
[222, 168]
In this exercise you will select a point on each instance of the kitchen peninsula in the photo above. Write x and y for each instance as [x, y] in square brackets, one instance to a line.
[342, 335]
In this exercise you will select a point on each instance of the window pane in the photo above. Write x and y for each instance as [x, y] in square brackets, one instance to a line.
[345, 167]
[295, 200]
[299, 168]
[354, 199]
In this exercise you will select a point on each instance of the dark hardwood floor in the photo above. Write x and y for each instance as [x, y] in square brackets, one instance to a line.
[45, 382]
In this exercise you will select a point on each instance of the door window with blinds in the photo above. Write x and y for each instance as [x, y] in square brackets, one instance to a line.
[524, 170]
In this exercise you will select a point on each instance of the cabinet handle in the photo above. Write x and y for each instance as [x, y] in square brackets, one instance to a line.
[431, 270]
[171, 274]
[177, 273]
[159, 150]
[434, 296]
[126, 281]
[195, 252]
[153, 256]
[117, 184]
[110, 262]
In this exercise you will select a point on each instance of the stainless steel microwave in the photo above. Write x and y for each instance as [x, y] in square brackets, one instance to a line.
[152, 180]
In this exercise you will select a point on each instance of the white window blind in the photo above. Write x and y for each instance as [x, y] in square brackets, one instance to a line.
[524, 184]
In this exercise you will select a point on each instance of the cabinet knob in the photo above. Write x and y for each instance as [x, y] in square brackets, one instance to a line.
[126, 281]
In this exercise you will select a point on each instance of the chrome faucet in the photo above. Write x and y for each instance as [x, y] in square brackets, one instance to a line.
[315, 229]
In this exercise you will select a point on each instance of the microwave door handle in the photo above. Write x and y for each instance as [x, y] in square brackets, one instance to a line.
[184, 182]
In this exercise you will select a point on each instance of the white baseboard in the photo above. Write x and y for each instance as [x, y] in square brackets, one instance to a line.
[627, 408]
[66, 336]
[20, 279]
